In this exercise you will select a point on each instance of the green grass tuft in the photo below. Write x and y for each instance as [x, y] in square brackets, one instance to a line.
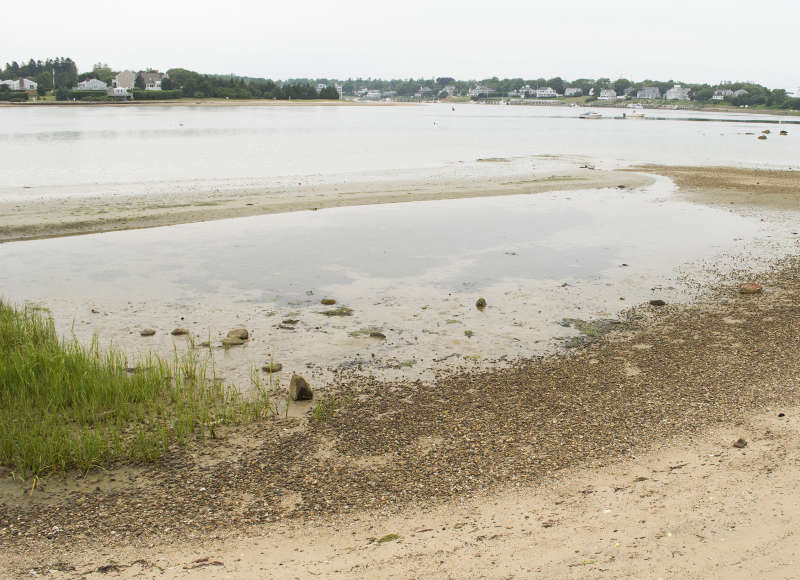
[67, 406]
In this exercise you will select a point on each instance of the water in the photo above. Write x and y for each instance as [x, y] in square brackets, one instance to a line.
[101, 151]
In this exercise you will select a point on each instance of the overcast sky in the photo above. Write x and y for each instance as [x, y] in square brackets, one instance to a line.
[694, 41]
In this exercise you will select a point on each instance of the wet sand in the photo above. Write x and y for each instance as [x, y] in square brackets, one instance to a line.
[613, 459]
[42, 217]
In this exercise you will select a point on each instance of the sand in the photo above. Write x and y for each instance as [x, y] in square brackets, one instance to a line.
[613, 460]
[41, 217]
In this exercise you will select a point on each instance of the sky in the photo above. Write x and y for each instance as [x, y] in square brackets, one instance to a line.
[692, 41]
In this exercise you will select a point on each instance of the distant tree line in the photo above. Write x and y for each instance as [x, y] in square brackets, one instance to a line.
[182, 82]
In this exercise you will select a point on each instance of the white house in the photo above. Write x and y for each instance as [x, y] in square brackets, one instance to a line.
[573, 92]
[480, 90]
[20, 84]
[546, 93]
[373, 95]
[607, 95]
[677, 93]
[649, 93]
[119, 92]
[423, 92]
[152, 80]
[91, 85]
[722, 94]
[450, 90]
[124, 80]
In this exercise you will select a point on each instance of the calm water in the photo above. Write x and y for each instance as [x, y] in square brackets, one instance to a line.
[140, 150]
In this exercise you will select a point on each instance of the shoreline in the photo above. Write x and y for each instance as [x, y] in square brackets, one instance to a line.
[560, 438]
[670, 380]
[45, 218]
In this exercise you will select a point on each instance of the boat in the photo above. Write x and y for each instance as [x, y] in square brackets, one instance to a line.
[590, 115]
[636, 115]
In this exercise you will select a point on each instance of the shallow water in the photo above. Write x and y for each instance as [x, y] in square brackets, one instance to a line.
[412, 271]
[103, 151]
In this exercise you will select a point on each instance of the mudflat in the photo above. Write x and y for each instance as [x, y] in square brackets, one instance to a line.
[615, 458]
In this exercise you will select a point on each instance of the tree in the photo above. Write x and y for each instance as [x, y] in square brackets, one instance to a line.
[103, 72]
[139, 82]
[329, 92]
[167, 84]
[620, 85]
[557, 84]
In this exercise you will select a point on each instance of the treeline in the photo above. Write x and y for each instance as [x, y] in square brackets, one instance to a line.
[65, 69]
[199, 86]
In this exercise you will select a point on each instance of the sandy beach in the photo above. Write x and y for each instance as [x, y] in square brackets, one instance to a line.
[610, 460]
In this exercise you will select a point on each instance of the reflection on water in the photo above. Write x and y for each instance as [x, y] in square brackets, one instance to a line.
[102, 150]
[440, 244]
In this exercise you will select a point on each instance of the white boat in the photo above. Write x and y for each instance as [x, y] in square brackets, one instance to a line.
[636, 115]
[590, 115]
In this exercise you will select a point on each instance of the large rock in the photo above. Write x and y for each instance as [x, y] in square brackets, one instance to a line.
[750, 288]
[272, 367]
[299, 389]
[229, 341]
[480, 304]
[147, 332]
[179, 332]
[240, 333]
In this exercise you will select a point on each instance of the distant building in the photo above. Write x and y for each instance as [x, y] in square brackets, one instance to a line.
[423, 93]
[629, 91]
[546, 93]
[649, 93]
[678, 93]
[722, 94]
[124, 80]
[573, 92]
[20, 84]
[338, 89]
[119, 92]
[480, 91]
[607, 95]
[373, 95]
[152, 80]
[91, 85]
[740, 93]
[450, 90]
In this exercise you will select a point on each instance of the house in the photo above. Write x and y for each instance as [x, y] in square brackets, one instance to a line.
[152, 80]
[91, 85]
[678, 93]
[338, 89]
[118, 92]
[722, 94]
[124, 80]
[450, 90]
[573, 92]
[546, 93]
[607, 95]
[20, 84]
[423, 92]
[629, 91]
[373, 95]
[648, 93]
[479, 91]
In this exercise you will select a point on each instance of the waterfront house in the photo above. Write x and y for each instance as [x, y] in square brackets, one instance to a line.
[124, 80]
[423, 93]
[152, 80]
[649, 93]
[20, 84]
[373, 95]
[480, 91]
[722, 94]
[546, 93]
[573, 92]
[91, 85]
[607, 95]
[450, 90]
[118, 92]
[677, 93]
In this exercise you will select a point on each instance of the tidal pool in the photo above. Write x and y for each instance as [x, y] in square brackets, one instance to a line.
[412, 271]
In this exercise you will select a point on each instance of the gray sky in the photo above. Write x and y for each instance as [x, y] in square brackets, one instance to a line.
[706, 40]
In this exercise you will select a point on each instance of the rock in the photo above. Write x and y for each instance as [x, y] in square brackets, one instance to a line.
[781, 414]
[204, 344]
[480, 304]
[740, 443]
[657, 303]
[784, 133]
[750, 288]
[179, 332]
[299, 389]
[240, 333]
[376, 334]
[147, 332]
[762, 137]
[290, 321]
[229, 341]
[328, 301]
[341, 311]
[272, 367]
[766, 131]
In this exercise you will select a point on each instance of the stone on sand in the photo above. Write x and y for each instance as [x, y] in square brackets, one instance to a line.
[299, 389]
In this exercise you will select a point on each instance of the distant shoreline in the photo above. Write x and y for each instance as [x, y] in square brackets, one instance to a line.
[208, 103]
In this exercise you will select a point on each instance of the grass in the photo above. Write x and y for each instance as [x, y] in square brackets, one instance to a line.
[323, 409]
[67, 406]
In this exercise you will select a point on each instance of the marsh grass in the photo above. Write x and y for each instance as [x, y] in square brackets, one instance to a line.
[64, 405]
